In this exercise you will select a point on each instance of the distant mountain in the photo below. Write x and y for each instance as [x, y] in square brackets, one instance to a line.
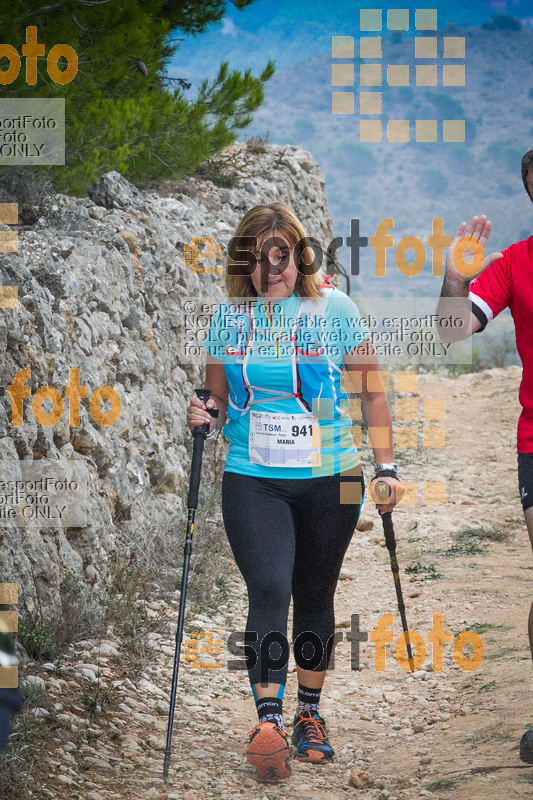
[414, 182]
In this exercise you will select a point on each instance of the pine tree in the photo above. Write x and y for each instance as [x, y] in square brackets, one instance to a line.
[122, 109]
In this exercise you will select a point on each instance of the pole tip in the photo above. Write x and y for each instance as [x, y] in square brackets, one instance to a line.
[166, 765]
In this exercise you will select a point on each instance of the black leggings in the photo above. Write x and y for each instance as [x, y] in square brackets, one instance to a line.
[289, 536]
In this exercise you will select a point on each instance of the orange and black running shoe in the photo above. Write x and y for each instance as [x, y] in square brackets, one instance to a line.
[268, 752]
[310, 737]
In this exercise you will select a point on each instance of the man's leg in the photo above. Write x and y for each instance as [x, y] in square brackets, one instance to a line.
[528, 513]
[525, 486]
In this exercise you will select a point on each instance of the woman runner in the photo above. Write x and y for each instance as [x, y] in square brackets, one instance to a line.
[292, 489]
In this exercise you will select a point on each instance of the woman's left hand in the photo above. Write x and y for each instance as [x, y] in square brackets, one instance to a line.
[397, 491]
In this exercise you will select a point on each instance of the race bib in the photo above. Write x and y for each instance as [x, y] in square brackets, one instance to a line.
[284, 440]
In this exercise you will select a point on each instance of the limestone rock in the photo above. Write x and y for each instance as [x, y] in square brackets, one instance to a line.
[359, 778]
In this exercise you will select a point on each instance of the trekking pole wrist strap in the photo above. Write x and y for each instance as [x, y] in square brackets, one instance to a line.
[385, 473]
[214, 413]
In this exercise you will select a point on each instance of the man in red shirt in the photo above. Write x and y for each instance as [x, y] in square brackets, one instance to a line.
[504, 280]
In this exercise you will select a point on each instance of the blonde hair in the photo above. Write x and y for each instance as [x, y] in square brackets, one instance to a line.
[258, 222]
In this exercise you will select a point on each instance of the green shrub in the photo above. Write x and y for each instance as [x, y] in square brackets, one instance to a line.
[38, 637]
[429, 571]
[477, 364]
[123, 110]
[34, 695]
[45, 637]
[22, 762]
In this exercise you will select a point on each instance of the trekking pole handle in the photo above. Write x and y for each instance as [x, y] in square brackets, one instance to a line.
[203, 395]
[383, 490]
[199, 433]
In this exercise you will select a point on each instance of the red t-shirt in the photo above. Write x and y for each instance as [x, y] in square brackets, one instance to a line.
[509, 282]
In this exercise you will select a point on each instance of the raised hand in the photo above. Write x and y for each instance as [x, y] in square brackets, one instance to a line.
[478, 228]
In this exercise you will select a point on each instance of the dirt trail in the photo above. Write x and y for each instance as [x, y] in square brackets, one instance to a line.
[416, 736]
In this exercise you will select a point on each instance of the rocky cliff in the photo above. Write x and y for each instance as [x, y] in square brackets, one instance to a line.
[102, 284]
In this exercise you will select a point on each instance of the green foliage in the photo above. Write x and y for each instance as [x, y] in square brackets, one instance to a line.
[441, 784]
[212, 170]
[429, 571]
[34, 695]
[483, 627]
[433, 181]
[123, 110]
[477, 365]
[468, 548]
[128, 614]
[487, 686]
[21, 764]
[46, 637]
[483, 532]
[95, 699]
[38, 638]
[500, 351]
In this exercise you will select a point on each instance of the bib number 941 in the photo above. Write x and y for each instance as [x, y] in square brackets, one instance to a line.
[304, 430]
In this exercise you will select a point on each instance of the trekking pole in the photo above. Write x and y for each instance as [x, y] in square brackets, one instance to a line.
[383, 491]
[199, 433]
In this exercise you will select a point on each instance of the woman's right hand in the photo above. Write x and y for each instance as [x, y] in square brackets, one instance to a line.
[197, 414]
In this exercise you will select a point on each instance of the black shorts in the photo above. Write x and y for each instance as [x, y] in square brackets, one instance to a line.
[525, 479]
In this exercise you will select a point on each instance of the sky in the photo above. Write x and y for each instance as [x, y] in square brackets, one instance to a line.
[289, 32]
[298, 37]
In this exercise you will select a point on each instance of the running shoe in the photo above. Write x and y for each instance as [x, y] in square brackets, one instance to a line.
[526, 747]
[310, 737]
[268, 752]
